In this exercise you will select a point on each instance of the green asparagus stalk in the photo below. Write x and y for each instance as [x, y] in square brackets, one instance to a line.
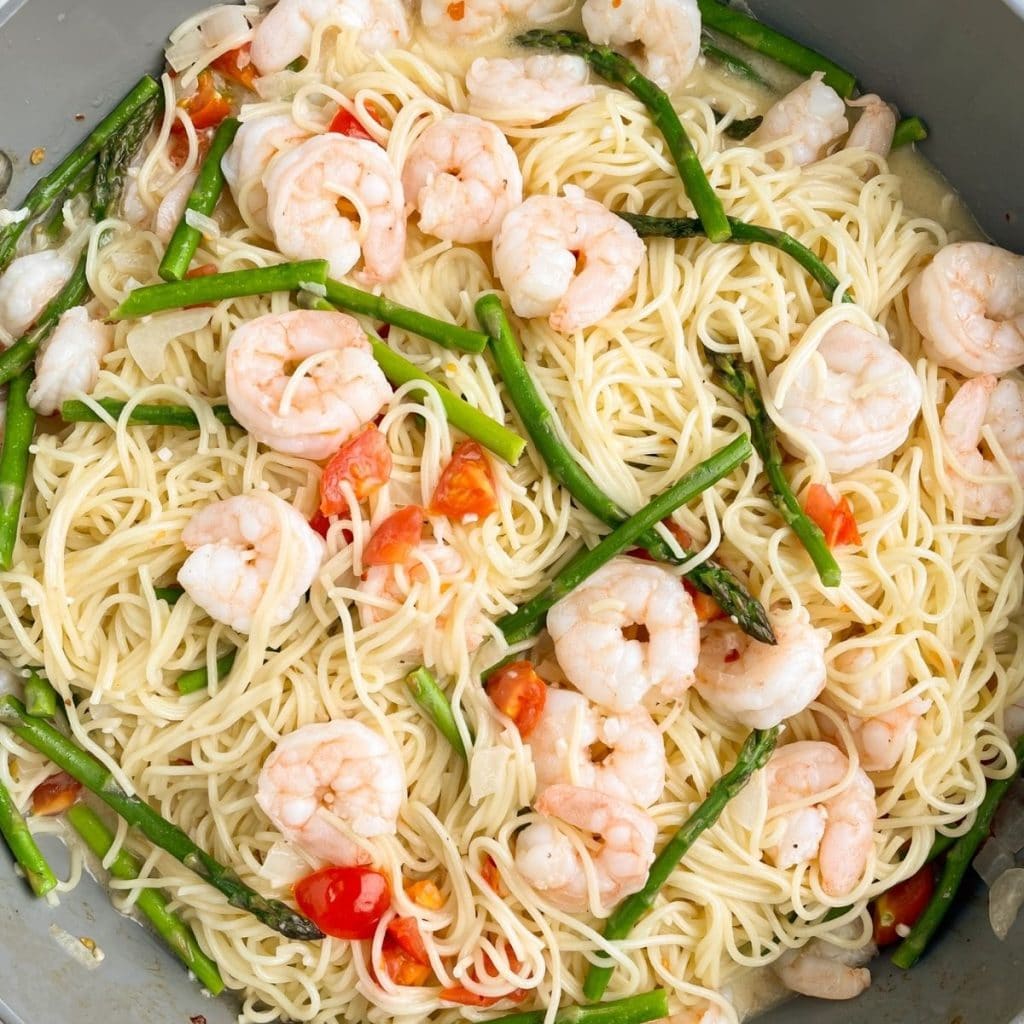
[616, 68]
[764, 40]
[629, 1010]
[739, 130]
[285, 277]
[22, 843]
[958, 860]
[536, 417]
[19, 424]
[910, 129]
[431, 698]
[169, 594]
[116, 155]
[49, 188]
[97, 779]
[528, 619]
[740, 383]
[202, 199]
[75, 411]
[752, 756]
[82, 184]
[451, 336]
[731, 62]
[199, 678]
[742, 234]
[40, 697]
[151, 903]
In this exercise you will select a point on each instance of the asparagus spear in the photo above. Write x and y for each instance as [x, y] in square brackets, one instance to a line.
[536, 416]
[429, 695]
[95, 777]
[47, 189]
[74, 411]
[752, 756]
[629, 1010]
[739, 130]
[202, 199]
[82, 184]
[19, 425]
[199, 678]
[169, 594]
[151, 903]
[15, 830]
[528, 619]
[41, 698]
[910, 129]
[616, 68]
[740, 383]
[731, 62]
[116, 155]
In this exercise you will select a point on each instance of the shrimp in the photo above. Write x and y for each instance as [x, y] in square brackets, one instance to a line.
[968, 304]
[522, 91]
[172, 207]
[810, 119]
[303, 382]
[310, 186]
[463, 177]
[825, 971]
[567, 258]
[342, 767]
[457, 21]
[27, 286]
[628, 629]
[982, 405]
[624, 837]
[571, 731]
[286, 33]
[662, 35]
[855, 399]
[706, 1013]
[838, 830]
[875, 126]
[760, 684]
[68, 362]
[235, 546]
[256, 144]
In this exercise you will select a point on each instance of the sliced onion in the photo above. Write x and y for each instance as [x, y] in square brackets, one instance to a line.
[206, 226]
[488, 770]
[226, 24]
[13, 216]
[184, 51]
[10, 680]
[148, 340]
[1004, 901]
[285, 864]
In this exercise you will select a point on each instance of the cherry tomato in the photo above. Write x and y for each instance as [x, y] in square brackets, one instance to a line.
[393, 541]
[363, 462]
[206, 106]
[55, 794]
[835, 518]
[237, 65]
[425, 894]
[346, 123]
[344, 902]
[406, 933]
[520, 693]
[903, 904]
[320, 523]
[403, 969]
[466, 488]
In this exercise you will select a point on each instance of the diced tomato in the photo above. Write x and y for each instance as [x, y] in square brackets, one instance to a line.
[406, 932]
[835, 518]
[685, 540]
[706, 607]
[206, 270]
[520, 693]
[344, 902]
[320, 523]
[206, 106]
[466, 997]
[237, 65]
[466, 489]
[403, 969]
[55, 794]
[425, 894]
[363, 462]
[456, 10]
[492, 877]
[903, 904]
[346, 123]
[392, 542]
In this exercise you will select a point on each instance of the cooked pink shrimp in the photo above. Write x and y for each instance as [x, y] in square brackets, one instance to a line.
[978, 481]
[810, 119]
[236, 545]
[968, 304]
[566, 258]
[459, 21]
[839, 831]
[68, 362]
[27, 285]
[342, 767]
[463, 177]
[527, 90]
[621, 836]
[303, 382]
[571, 730]
[172, 206]
[308, 186]
[706, 1013]
[628, 629]
[875, 126]
[760, 684]
[822, 970]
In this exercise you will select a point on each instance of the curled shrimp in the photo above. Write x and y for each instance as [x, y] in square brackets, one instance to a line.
[810, 119]
[623, 842]
[571, 734]
[839, 830]
[236, 545]
[527, 90]
[68, 362]
[566, 258]
[968, 304]
[760, 684]
[875, 126]
[342, 767]
[855, 398]
[985, 405]
[27, 286]
[458, 21]
[463, 177]
[303, 382]
[286, 32]
[662, 35]
[309, 186]
[822, 970]
[628, 629]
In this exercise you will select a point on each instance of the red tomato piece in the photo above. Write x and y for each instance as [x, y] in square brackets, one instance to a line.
[206, 270]
[320, 523]
[238, 66]
[903, 904]
[492, 877]
[466, 488]
[834, 518]
[425, 894]
[401, 968]
[206, 106]
[346, 123]
[406, 933]
[464, 997]
[55, 794]
[393, 541]
[344, 902]
[706, 607]
[520, 693]
[363, 462]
